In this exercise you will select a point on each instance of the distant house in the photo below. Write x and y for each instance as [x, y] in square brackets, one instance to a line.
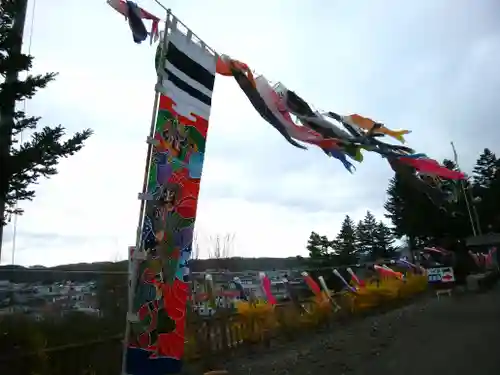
[5, 285]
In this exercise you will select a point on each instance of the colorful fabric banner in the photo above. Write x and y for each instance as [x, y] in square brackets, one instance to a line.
[157, 322]
[265, 283]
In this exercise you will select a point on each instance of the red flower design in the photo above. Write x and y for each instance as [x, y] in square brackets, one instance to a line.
[175, 299]
[187, 197]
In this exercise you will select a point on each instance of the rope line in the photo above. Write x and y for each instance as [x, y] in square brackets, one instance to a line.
[30, 40]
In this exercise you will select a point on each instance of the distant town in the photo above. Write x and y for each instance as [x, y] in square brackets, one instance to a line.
[39, 300]
[54, 300]
[41, 292]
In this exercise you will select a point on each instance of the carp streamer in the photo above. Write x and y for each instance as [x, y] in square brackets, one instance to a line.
[341, 137]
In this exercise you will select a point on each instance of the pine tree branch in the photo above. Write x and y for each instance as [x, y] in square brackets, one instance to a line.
[39, 156]
[21, 90]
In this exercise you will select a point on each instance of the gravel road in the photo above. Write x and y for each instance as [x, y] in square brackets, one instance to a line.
[457, 335]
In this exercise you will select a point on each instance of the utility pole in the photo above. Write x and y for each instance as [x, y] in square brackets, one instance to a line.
[8, 108]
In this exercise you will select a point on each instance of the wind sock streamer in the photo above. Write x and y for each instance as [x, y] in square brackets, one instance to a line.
[409, 178]
[274, 100]
[354, 277]
[375, 127]
[387, 272]
[276, 104]
[266, 287]
[301, 133]
[340, 156]
[432, 168]
[239, 288]
[313, 285]
[434, 249]
[247, 83]
[326, 291]
[350, 288]
[391, 270]
[474, 257]
[405, 263]
[135, 15]
[223, 67]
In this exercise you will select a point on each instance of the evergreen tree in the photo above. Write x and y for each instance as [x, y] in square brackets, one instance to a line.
[486, 191]
[484, 171]
[383, 242]
[409, 211]
[314, 246]
[359, 232]
[319, 250]
[365, 234]
[22, 164]
[344, 245]
[457, 222]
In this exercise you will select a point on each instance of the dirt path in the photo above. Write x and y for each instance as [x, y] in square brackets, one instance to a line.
[457, 336]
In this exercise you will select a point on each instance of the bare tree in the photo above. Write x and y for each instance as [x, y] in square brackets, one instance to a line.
[195, 249]
[221, 249]
[221, 246]
[117, 257]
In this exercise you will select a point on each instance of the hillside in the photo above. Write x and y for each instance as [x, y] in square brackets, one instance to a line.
[92, 271]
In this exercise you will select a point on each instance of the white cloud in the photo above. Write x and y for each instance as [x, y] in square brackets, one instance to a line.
[424, 66]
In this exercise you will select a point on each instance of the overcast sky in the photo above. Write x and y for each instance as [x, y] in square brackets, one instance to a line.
[429, 66]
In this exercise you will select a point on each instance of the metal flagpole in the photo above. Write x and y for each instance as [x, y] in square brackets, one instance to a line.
[462, 184]
[132, 278]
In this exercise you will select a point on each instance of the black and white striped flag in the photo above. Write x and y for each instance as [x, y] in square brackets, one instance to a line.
[187, 72]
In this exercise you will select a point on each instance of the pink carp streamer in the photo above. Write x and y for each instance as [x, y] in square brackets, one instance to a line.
[484, 260]
[313, 285]
[301, 133]
[475, 258]
[438, 250]
[355, 278]
[432, 168]
[265, 282]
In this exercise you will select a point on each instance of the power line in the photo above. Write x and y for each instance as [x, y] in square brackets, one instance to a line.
[14, 234]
